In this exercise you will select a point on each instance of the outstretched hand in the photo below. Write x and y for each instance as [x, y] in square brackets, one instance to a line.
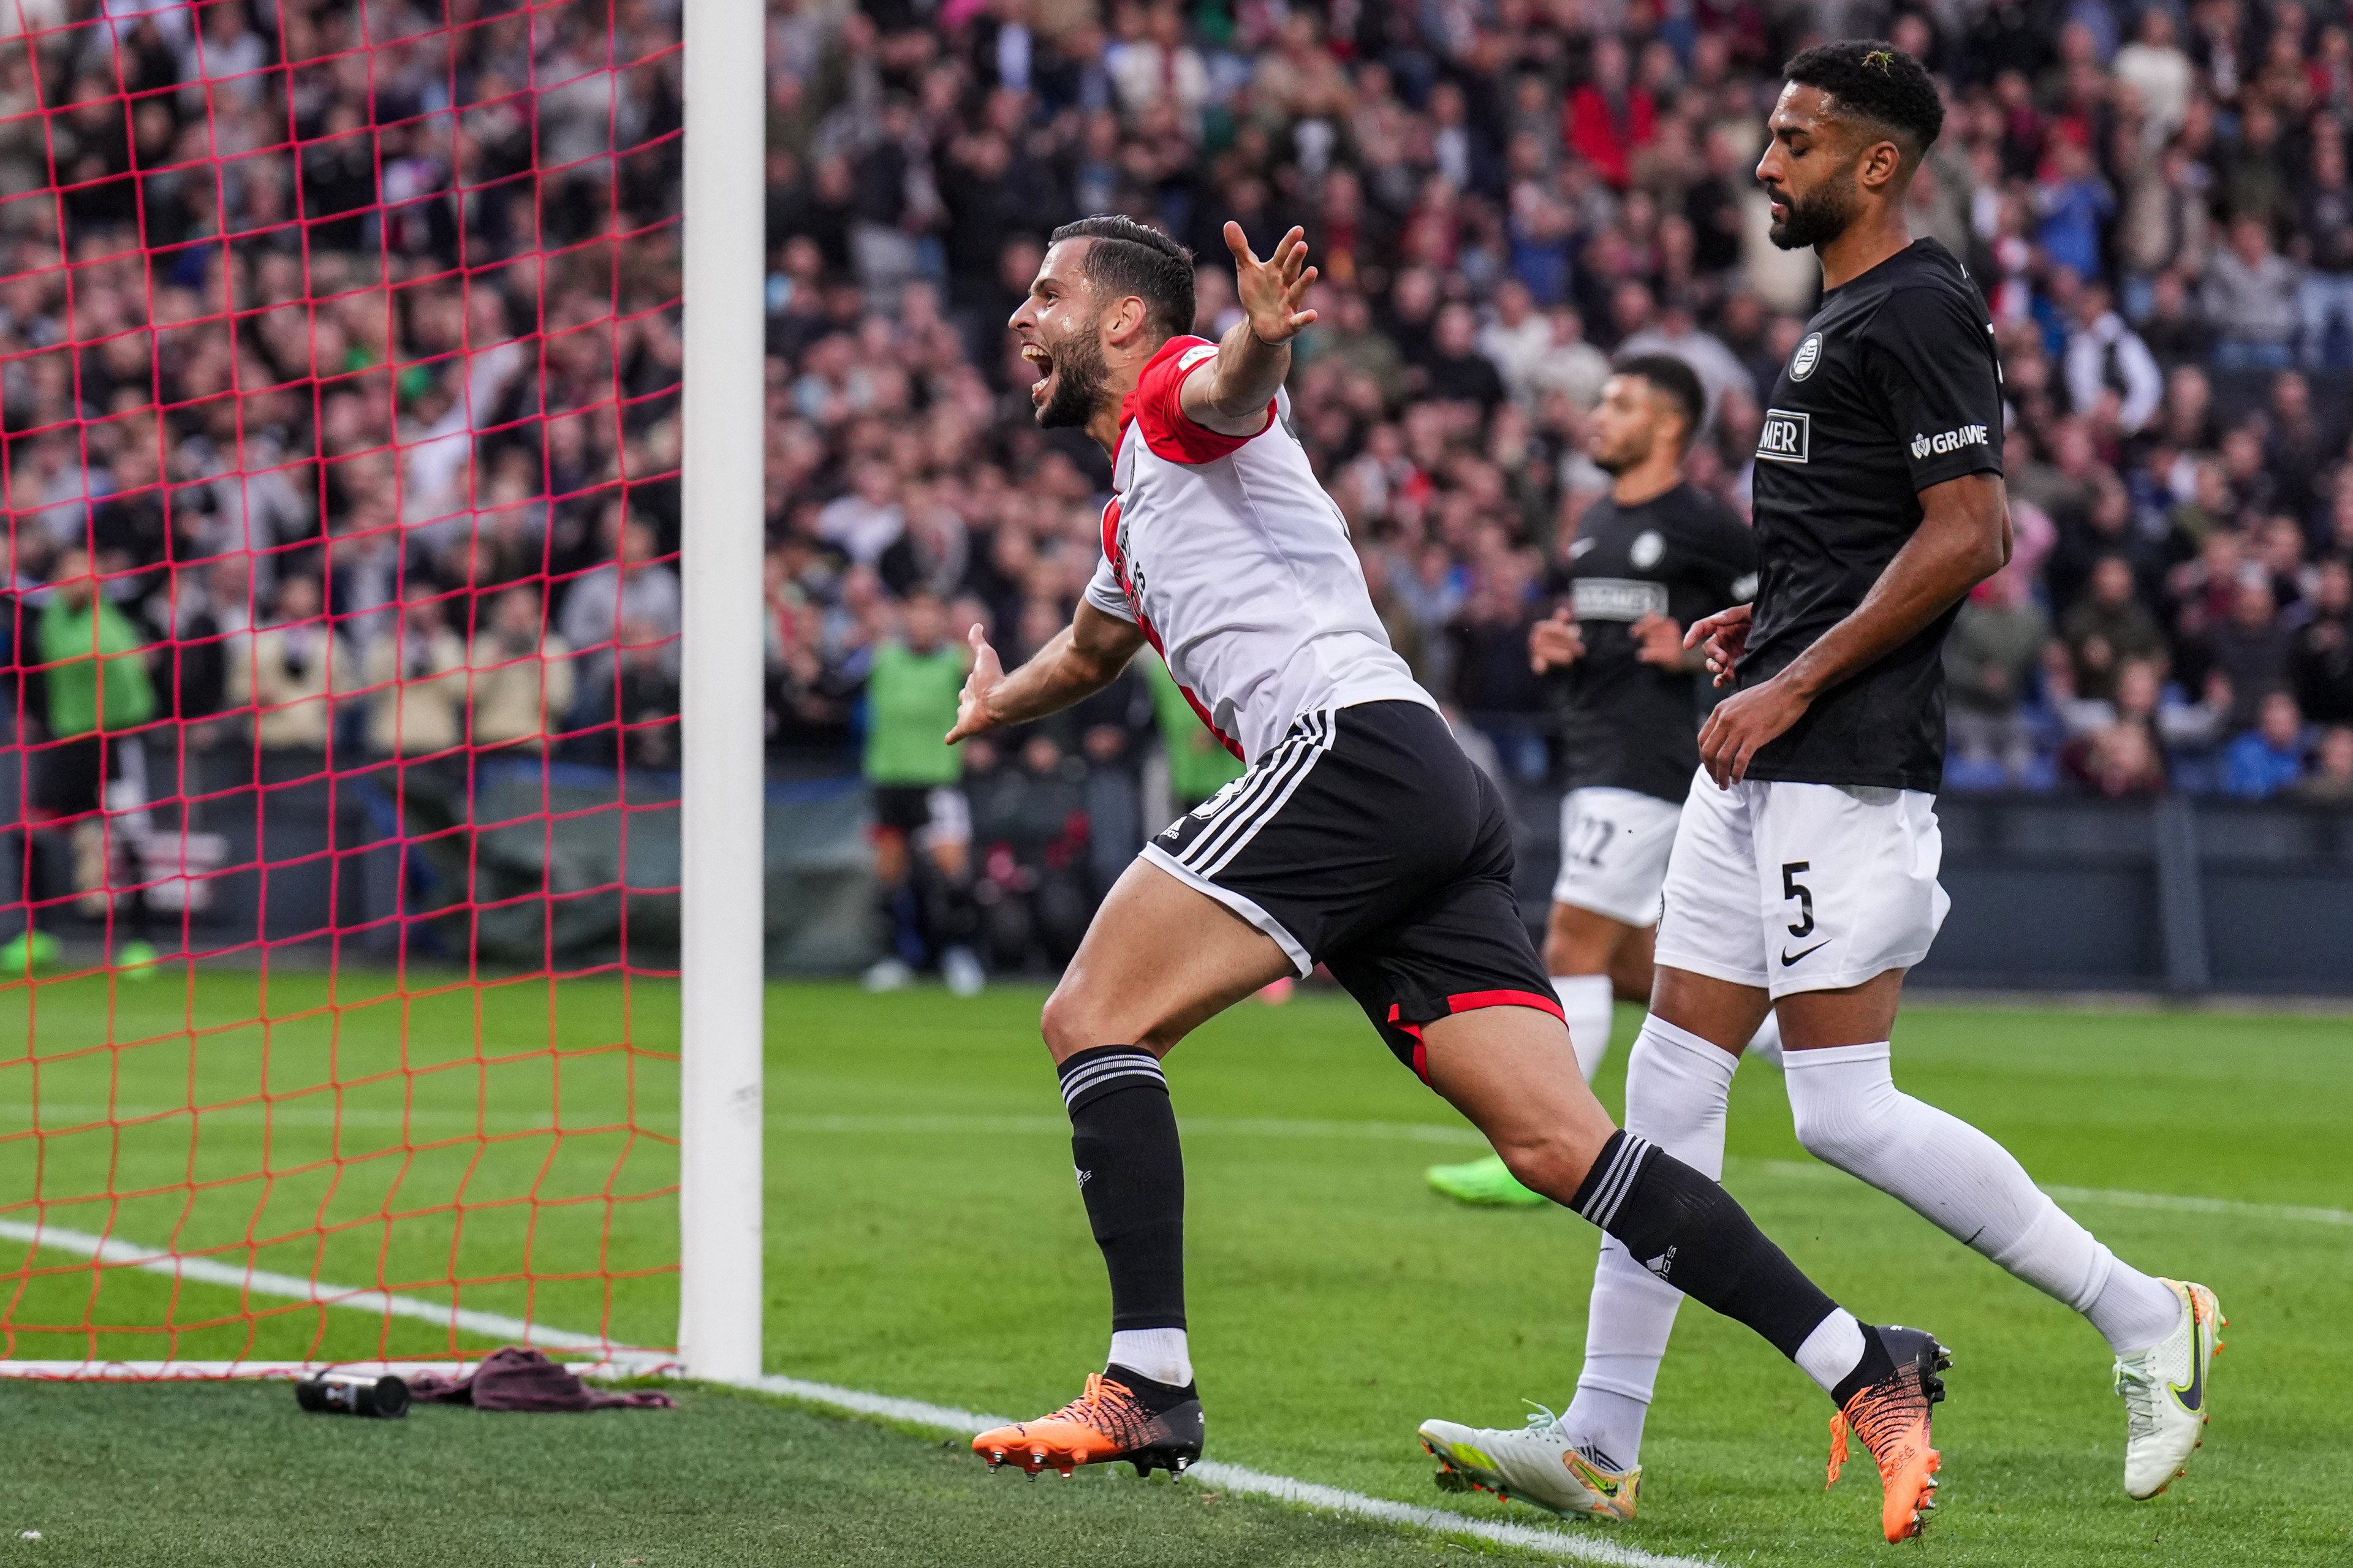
[973, 717]
[1273, 292]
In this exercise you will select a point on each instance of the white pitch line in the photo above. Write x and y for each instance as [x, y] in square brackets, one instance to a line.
[1435, 1132]
[627, 1362]
[268, 1282]
[2175, 1202]
[1256, 1483]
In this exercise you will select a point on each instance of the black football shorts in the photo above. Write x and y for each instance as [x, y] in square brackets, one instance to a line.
[1368, 842]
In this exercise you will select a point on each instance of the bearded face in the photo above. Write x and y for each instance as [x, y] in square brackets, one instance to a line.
[1072, 385]
[1818, 216]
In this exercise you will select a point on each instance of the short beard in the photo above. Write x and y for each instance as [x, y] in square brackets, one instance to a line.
[1820, 217]
[1078, 365]
[1621, 462]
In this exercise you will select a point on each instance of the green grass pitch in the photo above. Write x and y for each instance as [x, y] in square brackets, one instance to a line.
[924, 1241]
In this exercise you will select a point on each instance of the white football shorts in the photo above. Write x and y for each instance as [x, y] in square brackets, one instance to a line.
[1614, 845]
[1801, 886]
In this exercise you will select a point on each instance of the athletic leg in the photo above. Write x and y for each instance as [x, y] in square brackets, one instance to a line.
[1678, 1081]
[1678, 1085]
[1159, 960]
[1580, 950]
[1511, 1071]
[1849, 1114]
[1614, 846]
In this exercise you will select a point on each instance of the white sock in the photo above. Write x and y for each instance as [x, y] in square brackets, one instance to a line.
[1831, 1351]
[1849, 1113]
[1586, 1004]
[1764, 1044]
[1676, 1086]
[1159, 1354]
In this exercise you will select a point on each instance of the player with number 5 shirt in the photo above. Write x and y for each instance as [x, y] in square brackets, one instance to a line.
[1803, 877]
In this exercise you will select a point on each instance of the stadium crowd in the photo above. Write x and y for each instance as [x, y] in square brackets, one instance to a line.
[339, 354]
[1502, 195]
[339, 359]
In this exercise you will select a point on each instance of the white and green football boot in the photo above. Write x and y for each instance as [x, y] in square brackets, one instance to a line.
[1534, 1465]
[2165, 1394]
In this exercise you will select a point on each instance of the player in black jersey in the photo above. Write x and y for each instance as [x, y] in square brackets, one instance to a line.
[1655, 555]
[1804, 872]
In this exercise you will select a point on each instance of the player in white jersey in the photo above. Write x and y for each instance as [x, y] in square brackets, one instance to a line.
[1360, 837]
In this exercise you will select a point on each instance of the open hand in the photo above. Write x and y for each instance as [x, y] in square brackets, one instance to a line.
[1271, 291]
[1555, 643]
[1725, 637]
[973, 716]
[1659, 640]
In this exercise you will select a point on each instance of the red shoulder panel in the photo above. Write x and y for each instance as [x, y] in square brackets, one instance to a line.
[1156, 408]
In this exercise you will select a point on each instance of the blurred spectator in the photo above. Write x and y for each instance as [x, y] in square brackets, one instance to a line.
[2249, 299]
[2109, 627]
[1997, 641]
[294, 668]
[417, 680]
[2330, 783]
[2120, 761]
[923, 822]
[2322, 656]
[1198, 767]
[519, 675]
[2268, 758]
[634, 590]
[2251, 646]
[2325, 237]
[2106, 359]
[95, 696]
[1030, 829]
[629, 718]
[869, 519]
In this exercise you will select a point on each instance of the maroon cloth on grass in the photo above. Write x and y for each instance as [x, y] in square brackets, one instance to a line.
[514, 1378]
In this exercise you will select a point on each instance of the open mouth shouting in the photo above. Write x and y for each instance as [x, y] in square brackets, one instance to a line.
[1043, 388]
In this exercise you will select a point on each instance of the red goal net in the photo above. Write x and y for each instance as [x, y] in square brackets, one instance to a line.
[339, 433]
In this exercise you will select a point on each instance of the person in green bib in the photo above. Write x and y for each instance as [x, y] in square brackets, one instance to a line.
[92, 775]
[923, 823]
[1198, 765]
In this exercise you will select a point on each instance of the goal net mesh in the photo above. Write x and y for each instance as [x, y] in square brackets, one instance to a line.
[339, 364]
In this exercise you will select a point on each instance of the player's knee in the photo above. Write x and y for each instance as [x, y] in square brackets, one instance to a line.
[1076, 1019]
[1064, 1023]
[1850, 1137]
[1546, 1162]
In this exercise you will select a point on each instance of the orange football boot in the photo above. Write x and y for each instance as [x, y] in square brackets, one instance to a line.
[1122, 1415]
[1891, 1417]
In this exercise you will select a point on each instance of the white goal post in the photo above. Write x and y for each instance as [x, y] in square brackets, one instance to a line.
[720, 817]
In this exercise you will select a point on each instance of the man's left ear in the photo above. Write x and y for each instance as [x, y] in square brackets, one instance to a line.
[1127, 318]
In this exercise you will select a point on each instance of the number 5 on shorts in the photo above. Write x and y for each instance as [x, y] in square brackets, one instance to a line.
[1793, 889]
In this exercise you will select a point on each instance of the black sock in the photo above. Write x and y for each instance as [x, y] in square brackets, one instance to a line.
[1687, 1230]
[1131, 1175]
[1875, 1365]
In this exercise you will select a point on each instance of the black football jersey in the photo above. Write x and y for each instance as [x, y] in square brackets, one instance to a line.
[1682, 554]
[1894, 387]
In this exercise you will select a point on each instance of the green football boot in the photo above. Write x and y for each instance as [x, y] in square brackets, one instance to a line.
[27, 951]
[1487, 1183]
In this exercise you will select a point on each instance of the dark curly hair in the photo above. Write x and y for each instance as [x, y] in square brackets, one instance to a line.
[1129, 257]
[1872, 79]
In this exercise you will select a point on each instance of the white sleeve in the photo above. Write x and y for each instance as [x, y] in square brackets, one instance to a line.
[1104, 593]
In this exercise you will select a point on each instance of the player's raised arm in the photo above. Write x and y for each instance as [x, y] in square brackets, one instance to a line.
[1254, 357]
[1082, 660]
